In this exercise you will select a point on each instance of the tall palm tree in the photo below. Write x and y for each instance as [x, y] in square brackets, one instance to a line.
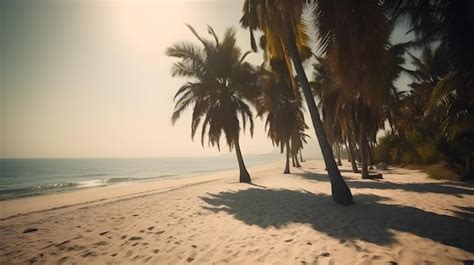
[337, 111]
[282, 25]
[283, 111]
[356, 33]
[219, 86]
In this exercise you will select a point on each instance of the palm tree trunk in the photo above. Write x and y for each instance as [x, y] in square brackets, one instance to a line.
[370, 150]
[349, 157]
[244, 174]
[340, 191]
[468, 168]
[363, 152]
[369, 153]
[301, 156]
[287, 166]
[357, 152]
[338, 150]
[296, 160]
[353, 161]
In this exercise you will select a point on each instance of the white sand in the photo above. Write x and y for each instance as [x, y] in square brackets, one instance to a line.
[283, 219]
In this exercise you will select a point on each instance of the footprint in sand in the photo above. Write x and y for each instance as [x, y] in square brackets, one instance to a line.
[101, 243]
[30, 230]
[103, 233]
[135, 238]
[62, 260]
[89, 253]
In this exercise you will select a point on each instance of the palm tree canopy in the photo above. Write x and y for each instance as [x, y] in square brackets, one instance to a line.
[284, 117]
[220, 84]
[278, 20]
[354, 36]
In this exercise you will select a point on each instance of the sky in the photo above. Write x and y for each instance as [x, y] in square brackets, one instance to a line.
[91, 79]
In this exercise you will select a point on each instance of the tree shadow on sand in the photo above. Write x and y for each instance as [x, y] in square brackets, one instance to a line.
[451, 188]
[368, 220]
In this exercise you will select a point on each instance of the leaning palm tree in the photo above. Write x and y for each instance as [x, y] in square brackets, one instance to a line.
[285, 38]
[219, 86]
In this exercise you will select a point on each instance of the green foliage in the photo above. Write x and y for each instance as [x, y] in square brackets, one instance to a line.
[387, 149]
[412, 149]
[438, 171]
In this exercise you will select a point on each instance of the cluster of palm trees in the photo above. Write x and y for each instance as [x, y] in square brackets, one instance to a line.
[354, 74]
[434, 121]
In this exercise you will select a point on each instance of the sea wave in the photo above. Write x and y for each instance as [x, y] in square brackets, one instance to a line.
[69, 186]
[36, 190]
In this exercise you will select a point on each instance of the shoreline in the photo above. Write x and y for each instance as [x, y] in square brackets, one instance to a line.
[53, 176]
[405, 218]
[15, 206]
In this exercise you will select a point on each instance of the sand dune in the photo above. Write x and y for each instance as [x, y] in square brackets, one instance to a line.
[282, 219]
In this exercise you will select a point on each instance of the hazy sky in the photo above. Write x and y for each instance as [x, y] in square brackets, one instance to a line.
[90, 78]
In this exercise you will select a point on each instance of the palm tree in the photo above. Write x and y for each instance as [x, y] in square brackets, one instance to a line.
[337, 111]
[440, 100]
[450, 22]
[283, 111]
[285, 38]
[219, 86]
[453, 107]
[430, 69]
[298, 140]
[354, 36]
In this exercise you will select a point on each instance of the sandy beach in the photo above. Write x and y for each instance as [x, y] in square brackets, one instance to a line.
[406, 218]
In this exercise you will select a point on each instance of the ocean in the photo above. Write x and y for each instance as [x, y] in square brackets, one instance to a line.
[30, 177]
